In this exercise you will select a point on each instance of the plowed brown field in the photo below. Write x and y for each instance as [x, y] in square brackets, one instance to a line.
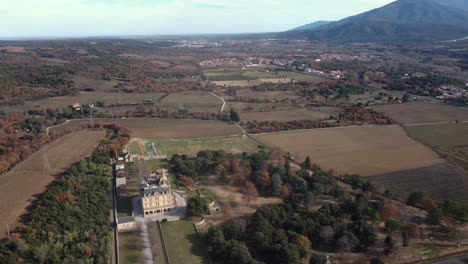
[166, 128]
[363, 150]
[21, 186]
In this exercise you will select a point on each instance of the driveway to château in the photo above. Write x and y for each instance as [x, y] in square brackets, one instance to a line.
[142, 222]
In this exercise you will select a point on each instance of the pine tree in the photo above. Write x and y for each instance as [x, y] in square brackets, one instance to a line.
[307, 163]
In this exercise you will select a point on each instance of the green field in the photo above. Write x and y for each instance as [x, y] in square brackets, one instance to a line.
[457, 155]
[183, 243]
[192, 101]
[153, 165]
[129, 248]
[134, 148]
[234, 144]
[440, 135]
[301, 77]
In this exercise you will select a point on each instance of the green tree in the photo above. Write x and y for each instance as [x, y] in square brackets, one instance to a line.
[416, 199]
[276, 184]
[393, 226]
[307, 163]
[234, 116]
[406, 238]
[434, 216]
[376, 261]
[196, 206]
[390, 245]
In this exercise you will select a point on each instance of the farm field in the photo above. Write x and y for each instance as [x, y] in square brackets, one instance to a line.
[107, 98]
[20, 186]
[191, 101]
[233, 144]
[363, 150]
[130, 248]
[443, 181]
[237, 77]
[457, 155]
[315, 113]
[183, 243]
[440, 134]
[423, 112]
[167, 128]
[260, 95]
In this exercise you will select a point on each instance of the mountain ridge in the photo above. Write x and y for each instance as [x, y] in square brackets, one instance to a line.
[405, 20]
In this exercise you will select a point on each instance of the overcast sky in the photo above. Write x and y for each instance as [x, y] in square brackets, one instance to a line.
[65, 18]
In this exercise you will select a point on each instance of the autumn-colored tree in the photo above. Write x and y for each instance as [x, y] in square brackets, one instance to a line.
[218, 170]
[284, 192]
[389, 211]
[251, 192]
[227, 211]
[265, 179]
[413, 230]
[304, 244]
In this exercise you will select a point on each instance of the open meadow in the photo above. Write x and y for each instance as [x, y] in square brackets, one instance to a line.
[165, 128]
[183, 243]
[24, 183]
[313, 113]
[363, 150]
[423, 112]
[191, 101]
[232, 144]
[246, 77]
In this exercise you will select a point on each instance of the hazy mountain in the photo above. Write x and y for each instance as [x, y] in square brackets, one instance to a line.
[463, 4]
[313, 25]
[405, 20]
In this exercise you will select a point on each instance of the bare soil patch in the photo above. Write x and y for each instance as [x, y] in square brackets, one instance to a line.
[423, 112]
[14, 49]
[363, 150]
[22, 185]
[315, 113]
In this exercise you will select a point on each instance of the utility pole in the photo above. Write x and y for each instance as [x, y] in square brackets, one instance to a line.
[8, 231]
[91, 115]
[46, 166]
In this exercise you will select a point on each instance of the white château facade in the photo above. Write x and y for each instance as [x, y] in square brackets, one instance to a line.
[156, 194]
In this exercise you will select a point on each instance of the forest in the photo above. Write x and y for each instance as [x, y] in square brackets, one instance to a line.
[70, 222]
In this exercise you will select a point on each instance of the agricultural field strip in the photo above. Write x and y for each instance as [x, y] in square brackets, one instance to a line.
[352, 152]
[435, 123]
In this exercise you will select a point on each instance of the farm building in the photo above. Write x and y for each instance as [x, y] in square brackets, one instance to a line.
[156, 195]
[120, 165]
[120, 181]
[126, 224]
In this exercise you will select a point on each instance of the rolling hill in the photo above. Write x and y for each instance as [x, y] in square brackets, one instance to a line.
[403, 20]
[313, 25]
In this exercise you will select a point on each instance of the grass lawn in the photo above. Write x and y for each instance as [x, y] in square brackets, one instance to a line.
[124, 206]
[129, 248]
[234, 144]
[183, 243]
[134, 148]
[153, 165]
